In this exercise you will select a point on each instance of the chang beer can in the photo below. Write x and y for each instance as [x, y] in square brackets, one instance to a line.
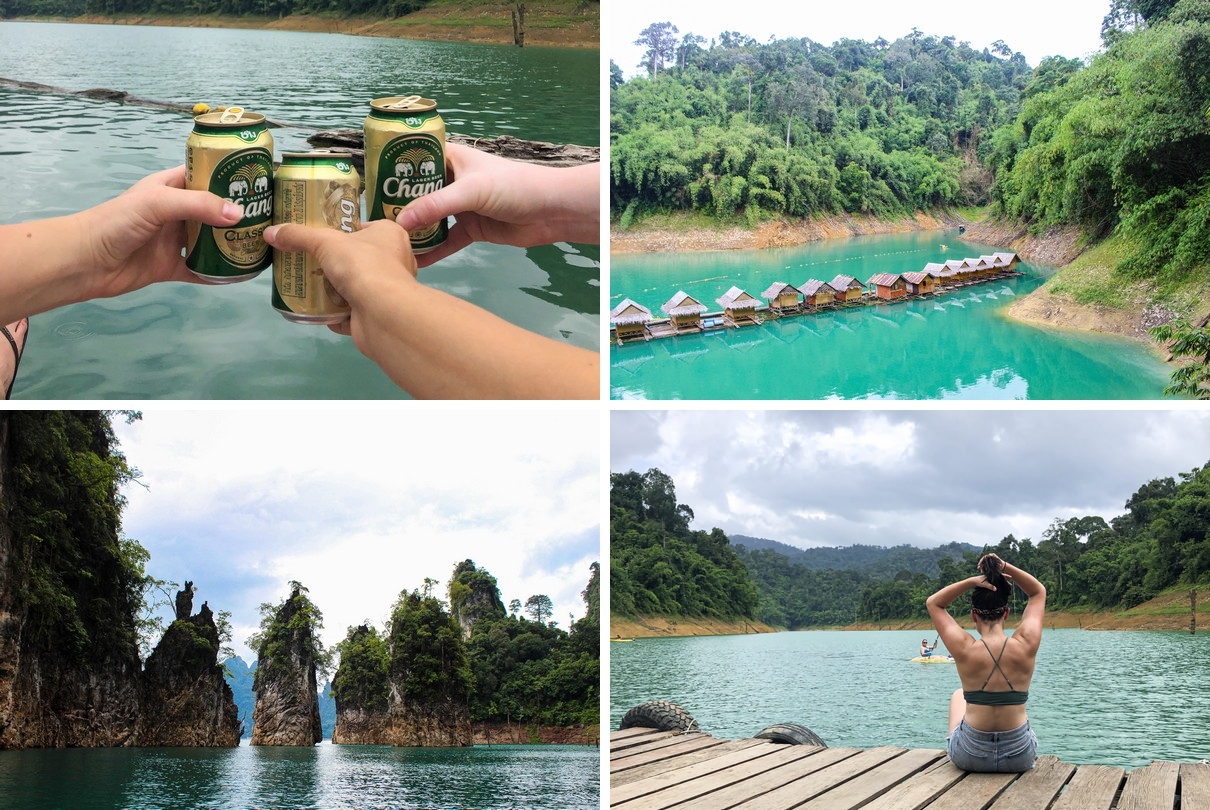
[230, 153]
[405, 159]
[320, 189]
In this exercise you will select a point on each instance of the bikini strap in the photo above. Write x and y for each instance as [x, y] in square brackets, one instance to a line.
[996, 664]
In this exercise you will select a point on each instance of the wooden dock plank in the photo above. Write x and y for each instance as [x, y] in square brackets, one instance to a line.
[975, 792]
[629, 743]
[691, 758]
[717, 789]
[921, 789]
[1152, 787]
[678, 747]
[874, 783]
[1195, 786]
[629, 733]
[1092, 788]
[696, 770]
[1036, 789]
[792, 794]
[656, 743]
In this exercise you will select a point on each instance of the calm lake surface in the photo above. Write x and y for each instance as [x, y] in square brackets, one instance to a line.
[1112, 698]
[548, 777]
[59, 155]
[956, 346]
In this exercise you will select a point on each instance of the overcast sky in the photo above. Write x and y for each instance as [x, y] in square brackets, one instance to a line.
[1037, 28]
[360, 505]
[835, 478]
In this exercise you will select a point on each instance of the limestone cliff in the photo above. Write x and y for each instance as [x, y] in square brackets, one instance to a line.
[474, 595]
[186, 701]
[287, 691]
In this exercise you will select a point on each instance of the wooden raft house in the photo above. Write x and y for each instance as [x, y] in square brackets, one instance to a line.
[847, 288]
[818, 294]
[888, 286]
[783, 298]
[630, 321]
[739, 308]
[653, 770]
[685, 312]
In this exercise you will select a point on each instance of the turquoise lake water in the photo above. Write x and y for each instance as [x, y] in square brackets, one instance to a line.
[1113, 698]
[60, 154]
[492, 777]
[955, 346]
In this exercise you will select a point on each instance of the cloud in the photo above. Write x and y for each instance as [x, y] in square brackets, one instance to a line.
[360, 505]
[838, 477]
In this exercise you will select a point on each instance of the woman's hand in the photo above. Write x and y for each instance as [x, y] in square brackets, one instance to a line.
[508, 203]
[137, 238]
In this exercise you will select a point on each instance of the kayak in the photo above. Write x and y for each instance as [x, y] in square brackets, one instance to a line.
[933, 659]
[621, 639]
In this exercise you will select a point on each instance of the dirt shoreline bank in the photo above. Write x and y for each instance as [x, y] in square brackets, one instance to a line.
[680, 626]
[427, 24]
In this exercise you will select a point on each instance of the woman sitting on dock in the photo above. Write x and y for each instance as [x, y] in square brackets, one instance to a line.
[988, 728]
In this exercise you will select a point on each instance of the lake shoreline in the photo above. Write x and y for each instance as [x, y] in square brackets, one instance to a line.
[427, 24]
[681, 627]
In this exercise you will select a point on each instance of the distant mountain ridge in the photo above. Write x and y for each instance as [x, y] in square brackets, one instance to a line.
[876, 561]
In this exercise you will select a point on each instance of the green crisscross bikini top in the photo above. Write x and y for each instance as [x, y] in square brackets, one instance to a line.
[979, 697]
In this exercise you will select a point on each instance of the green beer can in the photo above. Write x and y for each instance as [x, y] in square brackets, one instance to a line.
[230, 153]
[405, 159]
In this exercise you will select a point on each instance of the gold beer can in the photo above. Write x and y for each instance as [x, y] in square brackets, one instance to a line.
[230, 153]
[320, 189]
[405, 159]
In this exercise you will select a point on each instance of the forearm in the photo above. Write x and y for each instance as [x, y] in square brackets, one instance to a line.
[1026, 581]
[434, 345]
[572, 198]
[945, 597]
[43, 265]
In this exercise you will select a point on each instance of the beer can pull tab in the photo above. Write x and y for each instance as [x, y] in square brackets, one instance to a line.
[231, 115]
[405, 103]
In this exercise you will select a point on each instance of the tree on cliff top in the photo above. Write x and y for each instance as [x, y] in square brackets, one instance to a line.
[294, 620]
[428, 657]
[361, 682]
[474, 594]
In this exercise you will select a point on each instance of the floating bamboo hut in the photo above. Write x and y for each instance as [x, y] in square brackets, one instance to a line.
[847, 288]
[685, 312]
[920, 283]
[818, 293]
[888, 286]
[783, 298]
[630, 321]
[1006, 261]
[739, 308]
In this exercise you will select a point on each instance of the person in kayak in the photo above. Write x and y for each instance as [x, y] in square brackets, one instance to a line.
[925, 649]
[989, 731]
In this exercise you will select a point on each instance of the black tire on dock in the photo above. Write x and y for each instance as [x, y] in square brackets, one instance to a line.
[662, 715]
[791, 734]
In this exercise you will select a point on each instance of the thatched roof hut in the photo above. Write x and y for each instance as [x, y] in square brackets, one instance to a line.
[847, 288]
[738, 306]
[818, 293]
[920, 283]
[685, 311]
[630, 321]
[782, 297]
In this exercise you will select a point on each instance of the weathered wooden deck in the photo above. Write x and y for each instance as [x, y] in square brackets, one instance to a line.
[651, 769]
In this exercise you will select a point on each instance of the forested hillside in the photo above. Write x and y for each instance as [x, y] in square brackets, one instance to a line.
[796, 127]
[1122, 144]
[1162, 541]
[273, 8]
[876, 561]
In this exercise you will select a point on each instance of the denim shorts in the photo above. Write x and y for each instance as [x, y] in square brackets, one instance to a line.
[992, 751]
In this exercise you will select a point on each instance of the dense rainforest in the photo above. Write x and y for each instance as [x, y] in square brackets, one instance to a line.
[1119, 144]
[266, 8]
[1162, 541]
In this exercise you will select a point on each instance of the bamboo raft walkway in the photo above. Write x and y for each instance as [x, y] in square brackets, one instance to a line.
[718, 321]
[652, 770]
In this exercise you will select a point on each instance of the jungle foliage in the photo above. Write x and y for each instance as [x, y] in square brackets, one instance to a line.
[659, 567]
[795, 127]
[361, 680]
[1123, 143]
[427, 658]
[291, 624]
[83, 583]
[531, 671]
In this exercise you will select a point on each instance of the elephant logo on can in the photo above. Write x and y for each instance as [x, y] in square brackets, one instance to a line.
[261, 183]
[404, 169]
[238, 188]
[428, 167]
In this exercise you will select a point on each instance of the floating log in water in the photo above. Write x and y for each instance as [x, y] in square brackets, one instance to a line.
[348, 140]
[549, 154]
